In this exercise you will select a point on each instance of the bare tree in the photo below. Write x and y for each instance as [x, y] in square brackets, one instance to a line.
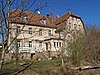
[92, 45]
[6, 7]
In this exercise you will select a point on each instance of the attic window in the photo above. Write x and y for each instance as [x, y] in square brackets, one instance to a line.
[43, 21]
[23, 18]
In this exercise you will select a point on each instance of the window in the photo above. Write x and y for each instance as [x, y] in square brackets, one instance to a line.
[40, 44]
[59, 44]
[30, 43]
[40, 32]
[79, 26]
[23, 18]
[69, 36]
[30, 30]
[69, 23]
[18, 43]
[18, 29]
[75, 26]
[54, 44]
[49, 32]
[43, 21]
[72, 18]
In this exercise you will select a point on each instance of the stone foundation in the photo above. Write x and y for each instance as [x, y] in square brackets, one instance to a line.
[35, 56]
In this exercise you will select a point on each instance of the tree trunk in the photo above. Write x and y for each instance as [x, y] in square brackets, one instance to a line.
[16, 53]
[2, 56]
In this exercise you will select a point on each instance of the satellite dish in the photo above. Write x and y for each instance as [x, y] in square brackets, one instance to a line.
[38, 12]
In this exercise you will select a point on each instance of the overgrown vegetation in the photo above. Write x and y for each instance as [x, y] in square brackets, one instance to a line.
[92, 45]
[48, 67]
[86, 48]
[76, 52]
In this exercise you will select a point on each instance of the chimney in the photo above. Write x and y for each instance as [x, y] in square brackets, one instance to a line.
[51, 15]
[48, 15]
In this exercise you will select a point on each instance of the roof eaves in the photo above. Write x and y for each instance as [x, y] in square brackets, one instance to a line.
[34, 24]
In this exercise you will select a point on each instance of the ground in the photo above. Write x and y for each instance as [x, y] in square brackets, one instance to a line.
[48, 67]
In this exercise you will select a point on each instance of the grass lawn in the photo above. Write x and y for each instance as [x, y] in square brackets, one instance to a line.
[48, 67]
[10, 67]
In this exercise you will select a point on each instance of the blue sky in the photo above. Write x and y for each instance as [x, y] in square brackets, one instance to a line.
[89, 10]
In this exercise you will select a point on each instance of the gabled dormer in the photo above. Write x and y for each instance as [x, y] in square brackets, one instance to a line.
[43, 21]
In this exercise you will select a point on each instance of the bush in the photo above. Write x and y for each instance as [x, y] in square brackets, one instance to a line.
[76, 52]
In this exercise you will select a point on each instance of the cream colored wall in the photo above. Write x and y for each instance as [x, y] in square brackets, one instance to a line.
[35, 34]
[71, 33]
[26, 37]
[78, 22]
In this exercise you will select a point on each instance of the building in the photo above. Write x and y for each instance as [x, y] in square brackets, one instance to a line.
[38, 33]
[70, 26]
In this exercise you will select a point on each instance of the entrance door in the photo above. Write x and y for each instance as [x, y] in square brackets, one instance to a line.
[46, 46]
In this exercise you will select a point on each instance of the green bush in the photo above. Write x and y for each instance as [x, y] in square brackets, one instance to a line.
[76, 52]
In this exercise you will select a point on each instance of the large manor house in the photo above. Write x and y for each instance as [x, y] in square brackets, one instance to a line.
[37, 33]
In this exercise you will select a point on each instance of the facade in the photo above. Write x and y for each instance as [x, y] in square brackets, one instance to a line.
[37, 33]
[70, 27]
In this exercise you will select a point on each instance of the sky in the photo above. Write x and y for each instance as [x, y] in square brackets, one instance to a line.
[88, 10]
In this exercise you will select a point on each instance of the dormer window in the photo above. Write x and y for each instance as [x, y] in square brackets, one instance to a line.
[23, 18]
[43, 21]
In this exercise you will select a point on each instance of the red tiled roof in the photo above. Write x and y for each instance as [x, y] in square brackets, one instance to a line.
[31, 18]
[35, 19]
[64, 17]
[61, 21]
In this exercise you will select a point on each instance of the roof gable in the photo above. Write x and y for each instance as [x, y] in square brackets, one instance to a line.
[60, 21]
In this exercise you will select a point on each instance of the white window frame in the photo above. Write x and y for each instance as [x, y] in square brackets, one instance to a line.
[43, 21]
[40, 32]
[49, 32]
[30, 30]
[18, 43]
[30, 43]
[18, 29]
